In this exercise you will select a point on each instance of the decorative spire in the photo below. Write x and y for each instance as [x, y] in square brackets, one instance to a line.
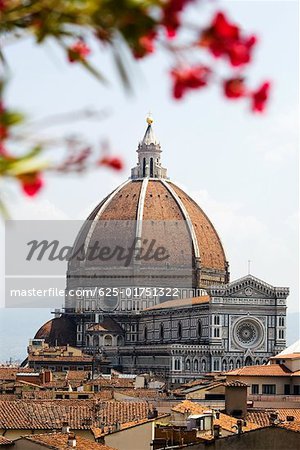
[149, 151]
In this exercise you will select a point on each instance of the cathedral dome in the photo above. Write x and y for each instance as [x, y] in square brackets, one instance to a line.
[58, 331]
[149, 198]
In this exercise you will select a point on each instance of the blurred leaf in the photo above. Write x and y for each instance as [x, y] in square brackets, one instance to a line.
[9, 118]
[121, 66]
[4, 211]
[94, 71]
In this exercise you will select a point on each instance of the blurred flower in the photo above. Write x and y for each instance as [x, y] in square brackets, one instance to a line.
[78, 51]
[3, 132]
[3, 5]
[186, 78]
[234, 88]
[171, 15]
[260, 97]
[112, 161]
[223, 38]
[145, 45]
[31, 183]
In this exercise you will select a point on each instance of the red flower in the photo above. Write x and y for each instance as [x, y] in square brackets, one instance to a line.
[171, 15]
[31, 183]
[223, 38]
[3, 132]
[260, 97]
[189, 78]
[113, 162]
[234, 88]
[78, 51]
[145, 45]
[240, 52]
[3, 5]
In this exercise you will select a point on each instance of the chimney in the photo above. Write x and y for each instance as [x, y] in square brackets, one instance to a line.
[273, 418]
[216, 431]
[239, 423]
[72, 440]
[290, 418]
[48, 376]
[65, 427]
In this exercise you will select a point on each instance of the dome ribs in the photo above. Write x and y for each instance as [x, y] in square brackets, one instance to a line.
[211, 249]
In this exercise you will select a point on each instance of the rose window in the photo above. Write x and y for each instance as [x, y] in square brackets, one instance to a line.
[247, 333]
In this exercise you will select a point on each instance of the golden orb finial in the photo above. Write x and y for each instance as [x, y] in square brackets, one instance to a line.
[149, 120]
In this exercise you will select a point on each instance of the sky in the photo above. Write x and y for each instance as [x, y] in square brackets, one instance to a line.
[241, 168]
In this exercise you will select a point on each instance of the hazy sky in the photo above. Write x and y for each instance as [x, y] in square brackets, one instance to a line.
[241, 168]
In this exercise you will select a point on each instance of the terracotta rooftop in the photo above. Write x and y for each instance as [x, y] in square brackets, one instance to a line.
[4, 441]
[66, 358]
[113, 382]
[181, 303]
[60, 441]
[234, 383]
[288, 356]
[10, 373]
[77, 375]
[278, 370]
[58, 331]
[163, 201]
[261, 417]
[80, 414]
[226, 422]
[108, 324]
[293, 426]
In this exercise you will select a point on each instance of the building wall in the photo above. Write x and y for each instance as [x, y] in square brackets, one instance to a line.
[263, 439]
[279, 382]
[135, 438]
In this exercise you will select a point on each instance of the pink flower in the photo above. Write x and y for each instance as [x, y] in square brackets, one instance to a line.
[260, 97]
[112, 162]
[234, 88]
[78, 51]
[31, 183]
[187, 78]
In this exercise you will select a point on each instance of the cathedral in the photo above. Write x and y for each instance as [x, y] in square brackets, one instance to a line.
[149, 290]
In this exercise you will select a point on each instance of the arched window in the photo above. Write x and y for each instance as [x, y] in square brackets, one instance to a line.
[196, 365]
[177, 364]
[203, 364]
[120, 340]
[179, 330]
[151, 167]
[216, 365]
[144, 167]
[248, 361]
[108, 340]
[145, 333]
[224, 365]
[231, 364]
[161, 331]
[199, 329]
[238, 363]
[188, 364]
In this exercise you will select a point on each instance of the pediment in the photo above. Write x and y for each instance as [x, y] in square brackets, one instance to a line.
[249, 286]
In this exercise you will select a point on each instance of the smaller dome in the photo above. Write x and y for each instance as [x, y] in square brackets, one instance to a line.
[58, 331]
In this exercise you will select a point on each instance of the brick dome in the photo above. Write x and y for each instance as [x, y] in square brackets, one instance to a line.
[58, 331]
[149, 204]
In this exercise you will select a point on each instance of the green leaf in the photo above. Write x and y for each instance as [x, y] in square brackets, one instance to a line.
[93, 71]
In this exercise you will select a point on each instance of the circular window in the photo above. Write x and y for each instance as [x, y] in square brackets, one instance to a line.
[109, 303]
[248, 333]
